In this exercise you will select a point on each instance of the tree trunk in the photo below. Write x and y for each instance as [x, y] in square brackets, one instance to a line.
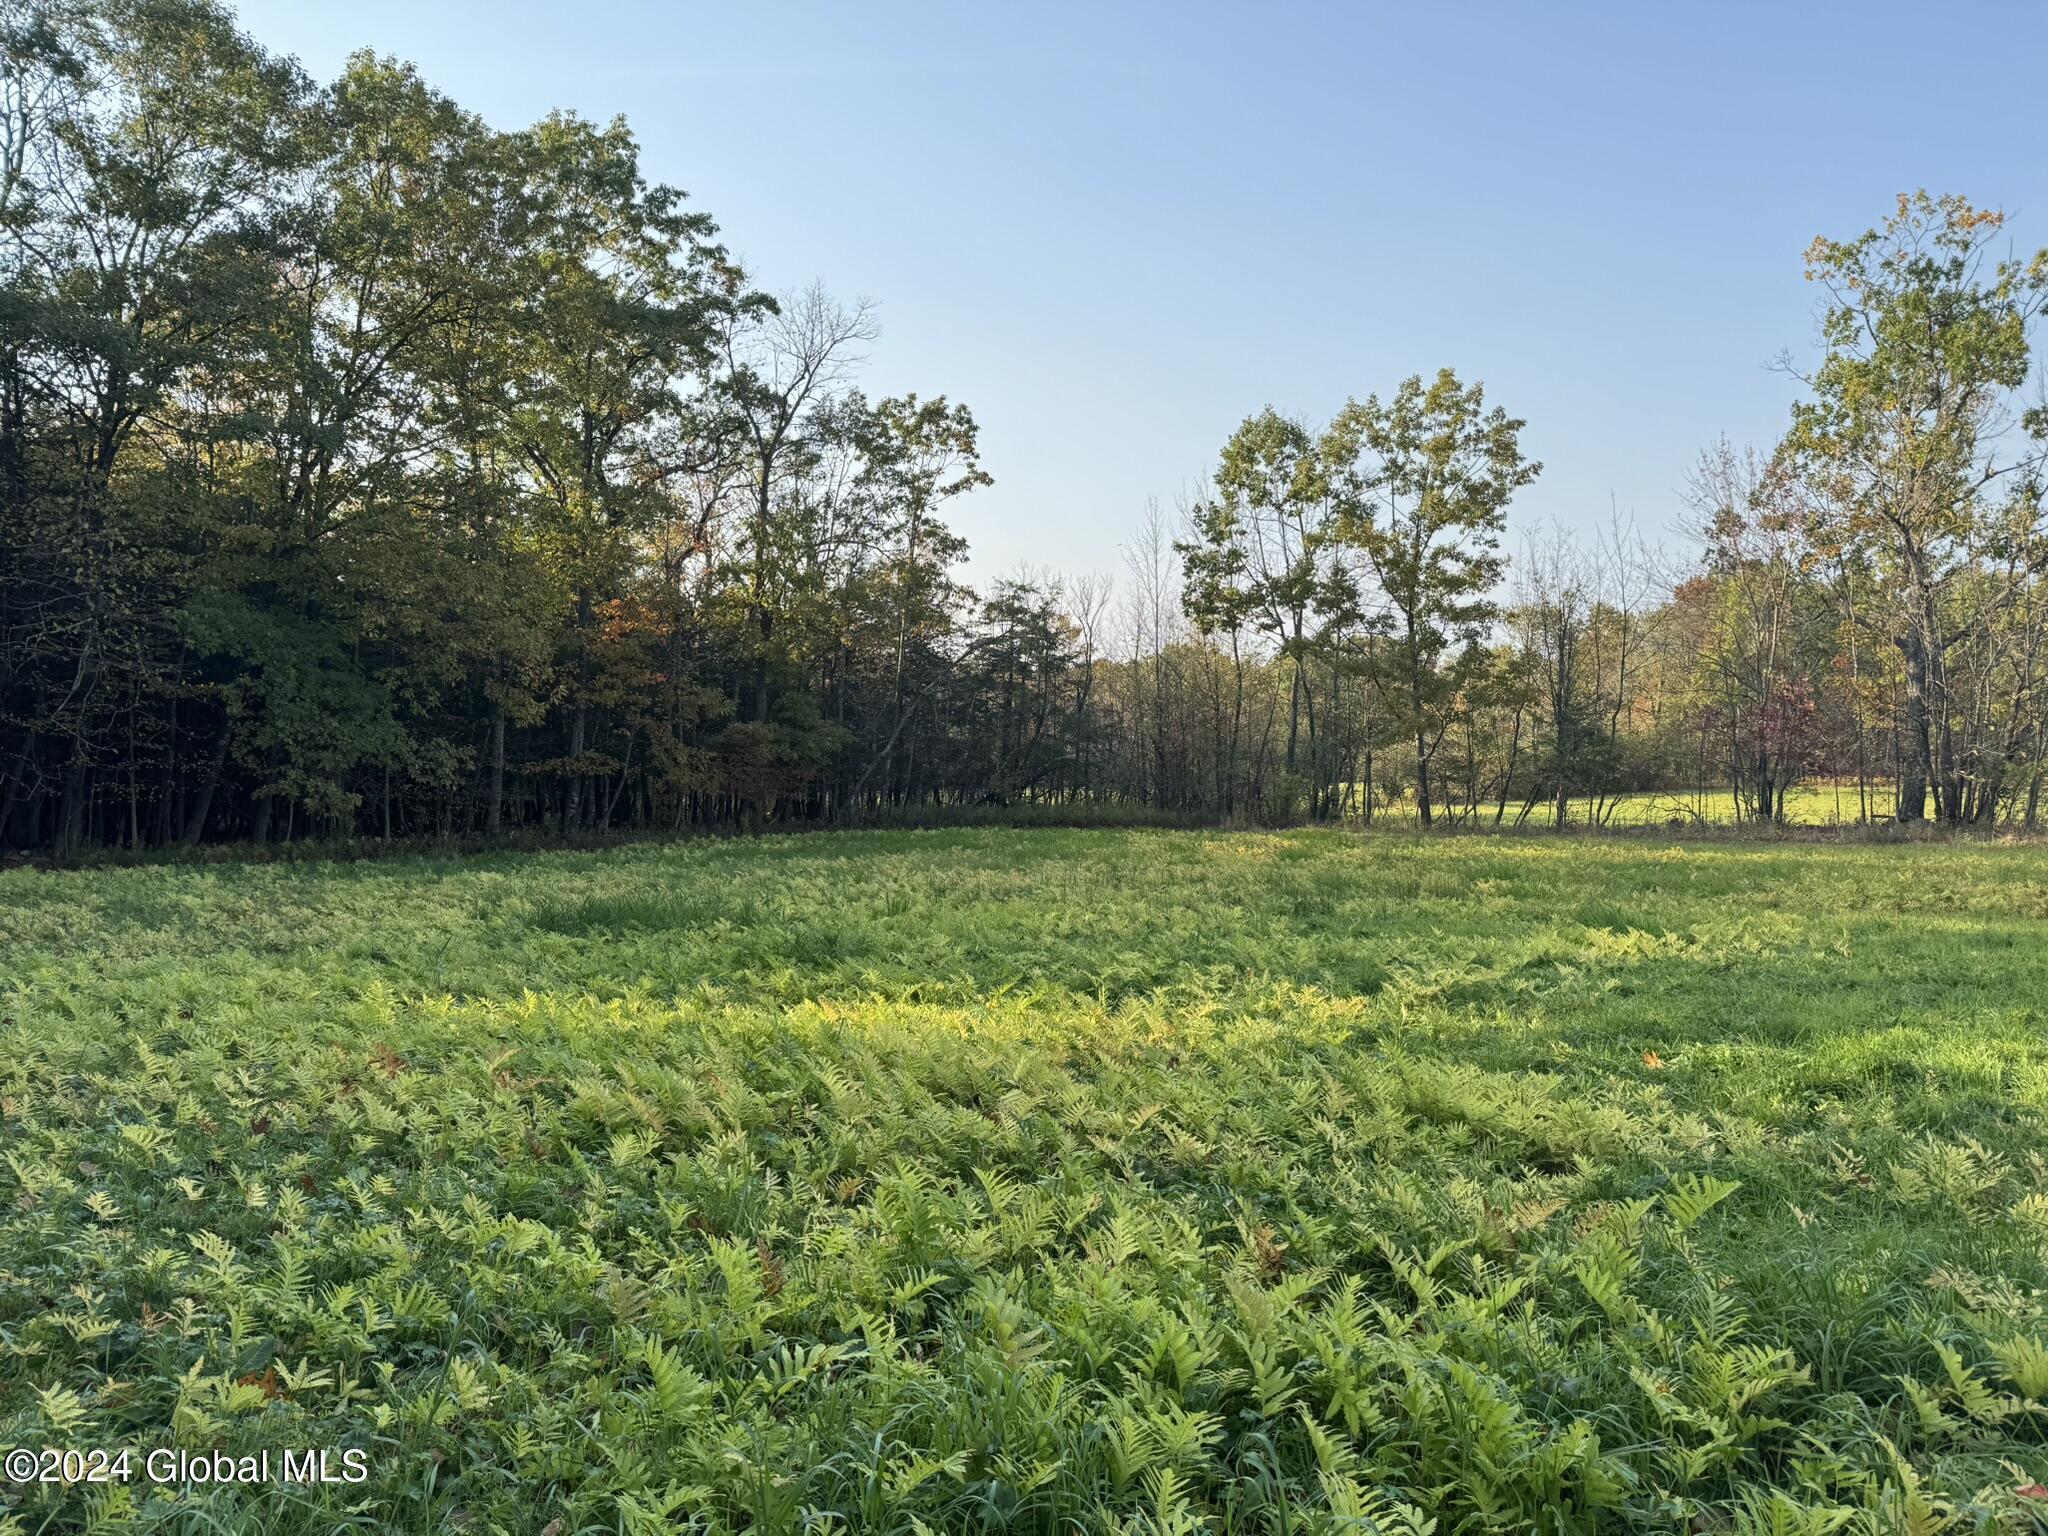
[1507, 776]
[495, 815]
[202, 805]
[573, 810]
[71, 821]
[1294, 701]
[1916, 761]
[1422, 779]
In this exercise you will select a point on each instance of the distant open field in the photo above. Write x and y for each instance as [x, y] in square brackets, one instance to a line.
[1039, 1181]
[1824, 804]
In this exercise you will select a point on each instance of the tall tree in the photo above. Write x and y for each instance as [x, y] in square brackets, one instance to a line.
[1910, 418]
[1267, 546]
[1427, 476]
[782, 364]
[919, 455]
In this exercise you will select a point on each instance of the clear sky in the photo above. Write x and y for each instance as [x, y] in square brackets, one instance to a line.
[1114, 230]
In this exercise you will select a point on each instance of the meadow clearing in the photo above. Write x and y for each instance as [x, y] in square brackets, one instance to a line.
[1831, 803]
[1039, 1181]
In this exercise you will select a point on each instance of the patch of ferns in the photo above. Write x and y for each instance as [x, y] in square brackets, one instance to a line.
[1239, 1252]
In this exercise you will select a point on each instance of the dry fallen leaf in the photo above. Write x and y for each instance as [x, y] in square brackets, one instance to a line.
[267, 1380]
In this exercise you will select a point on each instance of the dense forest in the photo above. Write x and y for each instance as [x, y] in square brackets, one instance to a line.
[372, 472]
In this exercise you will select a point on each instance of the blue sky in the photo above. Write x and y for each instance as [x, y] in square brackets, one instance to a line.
[1116, 230]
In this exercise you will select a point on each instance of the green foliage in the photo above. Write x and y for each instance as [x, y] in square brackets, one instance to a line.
[370, 471]
[1040, 1181]
[1911, 469]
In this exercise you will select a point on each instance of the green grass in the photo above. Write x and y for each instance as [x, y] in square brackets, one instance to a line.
[1823, 803]
[1039, 1181]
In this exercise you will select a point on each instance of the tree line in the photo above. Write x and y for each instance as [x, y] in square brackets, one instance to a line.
[372, 472]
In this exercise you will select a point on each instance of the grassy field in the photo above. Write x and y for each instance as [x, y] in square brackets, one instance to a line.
[1039, 1181]
[1826, 803]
